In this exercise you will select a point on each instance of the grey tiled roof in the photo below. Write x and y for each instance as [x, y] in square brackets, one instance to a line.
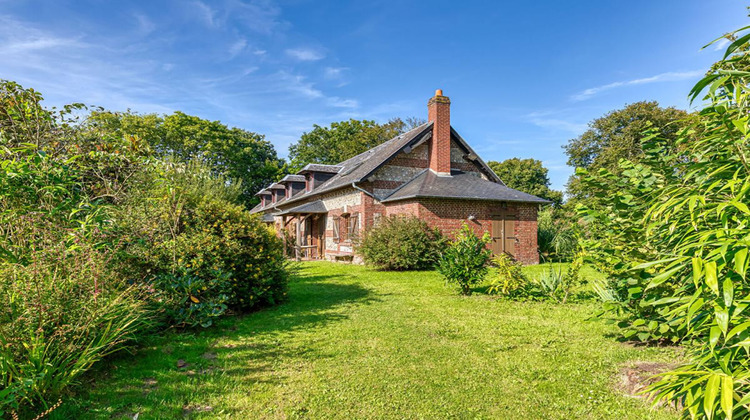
[460, 185]
[267, 217]
[276, 186]
[362, 165]
[319, 167]
[316, 206]
[293, 178]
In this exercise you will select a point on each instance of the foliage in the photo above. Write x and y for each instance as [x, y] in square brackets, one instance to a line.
[401, 243]
[64, 309]
[509, 280]
[527, 175]
[80, 205]
[558, 283]
[464, 262]
[619, 135]
[691, 266]
[242, 156]
[62, 313]
[185, 218]
[557, 237]
[344, 140]
[188, 300]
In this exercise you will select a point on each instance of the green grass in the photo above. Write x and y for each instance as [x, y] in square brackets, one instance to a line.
[356, 343]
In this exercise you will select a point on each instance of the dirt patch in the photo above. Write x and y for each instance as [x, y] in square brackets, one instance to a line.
[190, 409]
[634, 378]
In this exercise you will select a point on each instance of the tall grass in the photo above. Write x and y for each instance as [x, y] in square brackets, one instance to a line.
[62, 313]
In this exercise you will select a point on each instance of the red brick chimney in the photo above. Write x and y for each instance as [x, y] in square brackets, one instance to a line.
[439, 112]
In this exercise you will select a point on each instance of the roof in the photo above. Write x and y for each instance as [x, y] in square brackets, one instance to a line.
[319, 167]
[293, 178]
[359, 168]
[363, 165]
[276, 186]
[316, 206]
[268, 217]
[263, 191]
[460, 185]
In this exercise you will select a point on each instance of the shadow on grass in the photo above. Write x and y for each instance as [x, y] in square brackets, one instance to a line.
[238, 350]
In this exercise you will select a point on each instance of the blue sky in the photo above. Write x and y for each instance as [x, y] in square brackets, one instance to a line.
[524, 77]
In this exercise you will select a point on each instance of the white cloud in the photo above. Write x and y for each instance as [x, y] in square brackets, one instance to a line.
[237, 47]
[552, 120]
[304, 54]
[662, 77]
[204, 12]
[334, 72]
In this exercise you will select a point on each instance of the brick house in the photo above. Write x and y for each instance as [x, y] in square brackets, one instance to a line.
[429, 172]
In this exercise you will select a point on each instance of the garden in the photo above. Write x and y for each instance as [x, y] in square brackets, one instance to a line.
[136, 284]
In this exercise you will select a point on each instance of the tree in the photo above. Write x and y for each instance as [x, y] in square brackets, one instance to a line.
[343, 140]
[527, 175]
[238, 154]
[618, 135]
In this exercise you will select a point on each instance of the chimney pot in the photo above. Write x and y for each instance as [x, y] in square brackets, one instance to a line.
[439, 92]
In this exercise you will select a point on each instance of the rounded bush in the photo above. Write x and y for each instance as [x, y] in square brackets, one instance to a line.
[402, 243]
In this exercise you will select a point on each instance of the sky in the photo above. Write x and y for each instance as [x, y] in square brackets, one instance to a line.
[524, 77]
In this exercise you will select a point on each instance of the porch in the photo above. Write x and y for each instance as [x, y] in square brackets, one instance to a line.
[307, 224]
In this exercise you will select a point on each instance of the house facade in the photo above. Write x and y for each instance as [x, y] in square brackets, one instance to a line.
[429, 172]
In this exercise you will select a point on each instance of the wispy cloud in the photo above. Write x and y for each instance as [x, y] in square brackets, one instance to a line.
[237, 47]
[553, 120]
[334, 72]
[204, 12]
[305, 54]
[662, 77]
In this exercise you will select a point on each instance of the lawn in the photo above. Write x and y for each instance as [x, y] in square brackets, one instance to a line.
[352, 342]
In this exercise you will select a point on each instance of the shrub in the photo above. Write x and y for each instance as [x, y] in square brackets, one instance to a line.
[401, 243]
[510, 280]
[556, 237]
[187, 300]
[464, 262]
[558, 285]
[183, 222]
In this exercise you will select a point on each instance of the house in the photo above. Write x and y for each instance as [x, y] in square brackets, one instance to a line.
[430, 172]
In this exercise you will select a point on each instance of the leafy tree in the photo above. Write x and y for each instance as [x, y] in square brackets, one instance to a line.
[343, 140]
[527, 175]
[233, 152]
[618, 135]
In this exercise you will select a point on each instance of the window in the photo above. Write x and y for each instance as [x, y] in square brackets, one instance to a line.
[336, 236]
[353, 228]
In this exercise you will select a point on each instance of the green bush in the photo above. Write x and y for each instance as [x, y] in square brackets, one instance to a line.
[556, 237]
[184, 220]
[509, 280]
[187, 300]
[464, 262]
[401, 243]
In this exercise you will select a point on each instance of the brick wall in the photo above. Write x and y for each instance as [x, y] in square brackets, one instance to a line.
[450, 215]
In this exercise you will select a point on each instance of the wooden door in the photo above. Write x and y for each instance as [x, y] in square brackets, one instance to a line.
[504, 234]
